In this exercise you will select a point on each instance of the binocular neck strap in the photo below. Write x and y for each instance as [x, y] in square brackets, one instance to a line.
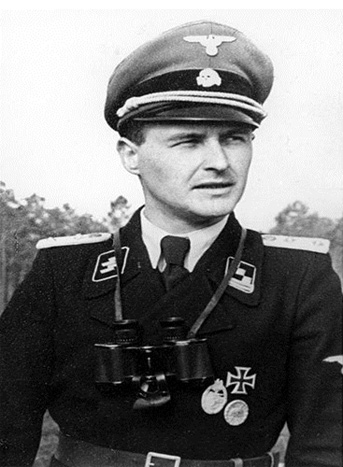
[118, 309]
[211, 304]
[221, 289]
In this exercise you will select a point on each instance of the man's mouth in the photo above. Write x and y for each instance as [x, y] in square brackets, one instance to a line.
[213, 185]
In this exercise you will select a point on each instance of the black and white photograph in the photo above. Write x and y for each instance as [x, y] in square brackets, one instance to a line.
[171, 237]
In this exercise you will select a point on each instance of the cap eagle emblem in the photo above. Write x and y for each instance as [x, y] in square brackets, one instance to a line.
[210, 42]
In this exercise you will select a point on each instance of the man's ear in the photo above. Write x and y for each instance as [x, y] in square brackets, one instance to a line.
[128, 152]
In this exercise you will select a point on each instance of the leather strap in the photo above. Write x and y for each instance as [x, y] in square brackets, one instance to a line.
[76, 453]
[118, 309]
[221, 289]
[211, 304]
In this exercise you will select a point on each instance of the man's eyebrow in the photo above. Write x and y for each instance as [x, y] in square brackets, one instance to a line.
[199, 135]
[230, 131]
[184, 135]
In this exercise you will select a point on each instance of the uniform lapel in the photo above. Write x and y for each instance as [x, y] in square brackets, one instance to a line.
[244, 288]
[140, 285]
[143, 294]
[191, 296]
[245, 284]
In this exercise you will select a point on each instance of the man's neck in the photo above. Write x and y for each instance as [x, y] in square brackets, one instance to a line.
[179, 226]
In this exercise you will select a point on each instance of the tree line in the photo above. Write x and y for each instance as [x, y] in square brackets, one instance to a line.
[24, 222]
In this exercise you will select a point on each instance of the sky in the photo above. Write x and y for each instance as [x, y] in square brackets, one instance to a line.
[55, 66]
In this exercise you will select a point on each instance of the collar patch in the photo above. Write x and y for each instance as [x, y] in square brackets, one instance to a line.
[244, 277]
[106, 266]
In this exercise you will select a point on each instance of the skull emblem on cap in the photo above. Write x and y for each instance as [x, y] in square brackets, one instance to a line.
[208, 78]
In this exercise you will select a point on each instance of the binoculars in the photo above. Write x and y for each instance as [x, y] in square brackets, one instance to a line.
[147, 368]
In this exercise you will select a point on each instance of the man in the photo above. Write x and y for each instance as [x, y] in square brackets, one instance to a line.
[194, 350]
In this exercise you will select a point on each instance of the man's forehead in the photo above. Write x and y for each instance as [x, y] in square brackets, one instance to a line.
[181, 129]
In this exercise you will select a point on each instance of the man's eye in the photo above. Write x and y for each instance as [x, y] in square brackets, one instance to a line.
[236, 138]
[186, 142]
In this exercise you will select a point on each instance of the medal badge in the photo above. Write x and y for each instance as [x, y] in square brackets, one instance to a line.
[214, 398]
[236, 412]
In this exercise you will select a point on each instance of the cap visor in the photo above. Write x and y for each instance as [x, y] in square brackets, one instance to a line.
[196, 113]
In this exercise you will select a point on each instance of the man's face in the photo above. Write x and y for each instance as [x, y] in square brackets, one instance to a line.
[192, 174]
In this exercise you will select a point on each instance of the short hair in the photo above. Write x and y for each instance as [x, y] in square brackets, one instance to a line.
[134, 131]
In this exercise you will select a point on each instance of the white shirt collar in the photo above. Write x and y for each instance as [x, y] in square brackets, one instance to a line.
[200, 240]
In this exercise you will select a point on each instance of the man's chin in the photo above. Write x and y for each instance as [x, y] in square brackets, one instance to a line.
[216, 208]
[208, 217]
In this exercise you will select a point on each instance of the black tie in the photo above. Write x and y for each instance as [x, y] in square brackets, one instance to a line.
[174, 250]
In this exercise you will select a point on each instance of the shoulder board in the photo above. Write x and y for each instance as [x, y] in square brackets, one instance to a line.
[319, 245]
[78, 239]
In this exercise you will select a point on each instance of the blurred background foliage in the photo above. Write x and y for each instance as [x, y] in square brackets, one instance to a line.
[24, 222]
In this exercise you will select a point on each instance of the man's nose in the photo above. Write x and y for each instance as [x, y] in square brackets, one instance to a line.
[217, 157]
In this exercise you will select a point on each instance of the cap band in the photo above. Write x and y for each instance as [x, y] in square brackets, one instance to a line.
[202, 97]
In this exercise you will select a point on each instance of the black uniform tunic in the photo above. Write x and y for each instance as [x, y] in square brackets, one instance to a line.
[268, 337]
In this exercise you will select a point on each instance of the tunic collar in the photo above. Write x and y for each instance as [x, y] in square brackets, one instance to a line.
[245, 286]
[200, 240]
